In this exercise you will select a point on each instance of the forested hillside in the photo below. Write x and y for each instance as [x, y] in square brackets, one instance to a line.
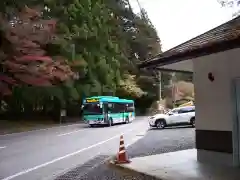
[56, 52]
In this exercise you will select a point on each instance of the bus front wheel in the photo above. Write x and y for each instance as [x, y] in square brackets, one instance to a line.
[127, 120]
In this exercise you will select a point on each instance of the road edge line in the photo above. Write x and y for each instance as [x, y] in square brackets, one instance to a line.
[41, 129]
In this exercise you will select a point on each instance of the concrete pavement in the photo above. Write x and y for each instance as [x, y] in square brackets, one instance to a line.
[45, 153]
[180, 165]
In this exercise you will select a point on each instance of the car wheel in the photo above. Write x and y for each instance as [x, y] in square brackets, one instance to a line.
[160, 124]
[192, 122]
[92, 125]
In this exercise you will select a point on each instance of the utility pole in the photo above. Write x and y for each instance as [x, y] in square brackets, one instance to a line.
[141, 9]
[174, 88]
[139, 5]
[160, 85]
[130, 7]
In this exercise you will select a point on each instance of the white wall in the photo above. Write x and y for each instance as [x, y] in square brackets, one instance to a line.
[186, 65]
[214, 106]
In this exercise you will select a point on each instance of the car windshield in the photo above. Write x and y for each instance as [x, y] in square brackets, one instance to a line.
[173, 111]
[94, 108]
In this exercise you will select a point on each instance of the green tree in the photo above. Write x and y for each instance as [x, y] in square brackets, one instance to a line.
[88, 26]
[101, 41]
[231, 4]
[139, 38]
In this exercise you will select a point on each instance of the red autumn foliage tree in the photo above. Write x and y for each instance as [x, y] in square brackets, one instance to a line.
[23, 59]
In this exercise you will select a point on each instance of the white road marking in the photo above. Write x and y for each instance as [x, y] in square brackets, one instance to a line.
[165, 138]
[133, 141]
[63, 157]
[143, 133]
[2, 147]
[64, 134]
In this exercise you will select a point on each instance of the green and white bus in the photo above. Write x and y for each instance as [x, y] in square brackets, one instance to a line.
[107, 110]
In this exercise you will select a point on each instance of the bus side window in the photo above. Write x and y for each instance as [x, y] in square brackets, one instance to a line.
[130, 107]
[122, 108]
[118, 108]
[110, 107]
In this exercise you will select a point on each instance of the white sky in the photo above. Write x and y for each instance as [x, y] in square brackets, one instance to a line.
[177, 21]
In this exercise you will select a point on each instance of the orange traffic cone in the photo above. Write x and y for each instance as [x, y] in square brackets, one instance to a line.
[122, 154]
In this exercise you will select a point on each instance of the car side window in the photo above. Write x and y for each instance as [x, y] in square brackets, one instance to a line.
[181, 111]
[186, 110]
[192, 109]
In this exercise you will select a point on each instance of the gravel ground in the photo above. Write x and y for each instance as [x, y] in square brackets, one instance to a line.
[154, 142]
[162, 141]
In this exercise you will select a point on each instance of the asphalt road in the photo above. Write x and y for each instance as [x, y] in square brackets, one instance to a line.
[154, 142]
[44, 154]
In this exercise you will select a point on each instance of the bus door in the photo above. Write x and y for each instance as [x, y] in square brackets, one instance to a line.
[105, 112]
[123, 110]
[130, 111]
[125, 114]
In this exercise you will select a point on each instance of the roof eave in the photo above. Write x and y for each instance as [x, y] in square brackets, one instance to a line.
[194, 53]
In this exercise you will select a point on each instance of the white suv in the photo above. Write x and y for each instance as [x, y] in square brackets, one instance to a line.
[177, 116]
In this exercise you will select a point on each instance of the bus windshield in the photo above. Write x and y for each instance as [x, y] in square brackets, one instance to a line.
[93, 108]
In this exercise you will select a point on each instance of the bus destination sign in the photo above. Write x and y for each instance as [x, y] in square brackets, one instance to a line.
[92, 100]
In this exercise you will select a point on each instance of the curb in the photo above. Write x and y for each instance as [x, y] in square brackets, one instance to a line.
[120, 167]
[42, 129]
[63, 172]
